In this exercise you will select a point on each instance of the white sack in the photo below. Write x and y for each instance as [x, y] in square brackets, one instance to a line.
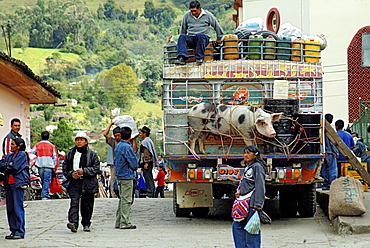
[126, 121]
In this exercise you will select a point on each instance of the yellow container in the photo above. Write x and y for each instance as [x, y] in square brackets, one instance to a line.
[315, 46]
[232, 42]
[347, 170]
[297, 44]
[209, 52]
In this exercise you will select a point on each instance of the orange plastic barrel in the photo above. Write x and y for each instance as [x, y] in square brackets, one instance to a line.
[209, 52]
[297, 44]
[231, 53]
[315, 46]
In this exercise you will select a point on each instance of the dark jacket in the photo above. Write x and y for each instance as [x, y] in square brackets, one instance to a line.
[254, 179]
[16, 165]
[91, 169]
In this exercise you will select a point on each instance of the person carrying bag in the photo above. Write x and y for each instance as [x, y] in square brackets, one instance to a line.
[250, 197]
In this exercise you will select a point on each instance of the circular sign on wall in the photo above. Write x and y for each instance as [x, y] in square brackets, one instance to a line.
[273, 20]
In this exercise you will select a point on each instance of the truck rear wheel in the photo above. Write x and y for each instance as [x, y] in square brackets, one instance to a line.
[179, 212]
[288, 203]
[200, 212]
[307, 200]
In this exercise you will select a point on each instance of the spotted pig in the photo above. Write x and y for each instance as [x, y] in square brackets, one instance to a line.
[229, 120]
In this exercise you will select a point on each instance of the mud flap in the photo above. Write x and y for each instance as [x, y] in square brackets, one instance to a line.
[194, 195]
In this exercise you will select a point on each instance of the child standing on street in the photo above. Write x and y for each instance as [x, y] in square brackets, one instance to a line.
[160, 178]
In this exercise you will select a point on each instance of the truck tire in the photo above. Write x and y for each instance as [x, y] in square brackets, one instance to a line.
[288, 202]
[307, 200]
[200, 212]
[179, 212]
[27, 194]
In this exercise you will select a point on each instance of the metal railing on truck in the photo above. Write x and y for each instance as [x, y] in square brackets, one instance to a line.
[182, 94]
[252, 49]
[302, 110]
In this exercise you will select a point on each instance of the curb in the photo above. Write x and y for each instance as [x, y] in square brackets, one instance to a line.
[346, 225]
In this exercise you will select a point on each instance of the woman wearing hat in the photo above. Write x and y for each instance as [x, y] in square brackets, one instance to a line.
[253, 185]
[81, 167]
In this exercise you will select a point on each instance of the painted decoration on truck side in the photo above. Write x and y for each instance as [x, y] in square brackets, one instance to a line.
[187, 94]
[226, 172]
[191, 99]
[245, 69]
[244, 93]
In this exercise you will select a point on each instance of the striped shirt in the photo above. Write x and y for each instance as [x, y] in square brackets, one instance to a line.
[46, 154]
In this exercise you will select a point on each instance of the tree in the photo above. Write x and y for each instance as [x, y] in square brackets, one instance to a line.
[62, 137]
[149, 89]
[38, 125]
[149, 10]
[120, 85]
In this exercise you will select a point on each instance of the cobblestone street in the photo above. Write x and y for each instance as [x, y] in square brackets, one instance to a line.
[157, 226]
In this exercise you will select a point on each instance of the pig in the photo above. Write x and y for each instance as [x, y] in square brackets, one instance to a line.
[224, 119]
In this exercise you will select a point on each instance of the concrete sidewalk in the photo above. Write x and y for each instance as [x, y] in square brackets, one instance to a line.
[345, 225]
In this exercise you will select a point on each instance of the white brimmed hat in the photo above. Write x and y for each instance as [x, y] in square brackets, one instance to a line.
[81, 134]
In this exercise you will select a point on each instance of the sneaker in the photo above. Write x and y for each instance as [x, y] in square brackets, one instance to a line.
[181, 61]
[86, 229]
[199, 61]
[128, 227]
[72, 227]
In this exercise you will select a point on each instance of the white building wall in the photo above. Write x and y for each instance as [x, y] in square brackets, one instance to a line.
[12, 106]
[338, 20]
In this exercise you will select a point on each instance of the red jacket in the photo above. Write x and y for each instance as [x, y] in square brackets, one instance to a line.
[160, 178]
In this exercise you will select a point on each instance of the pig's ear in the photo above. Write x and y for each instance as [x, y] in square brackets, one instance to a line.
[276, 116]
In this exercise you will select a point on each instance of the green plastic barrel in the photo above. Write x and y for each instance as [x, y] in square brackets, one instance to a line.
[283, 45]
[269, 48]
[255, 47]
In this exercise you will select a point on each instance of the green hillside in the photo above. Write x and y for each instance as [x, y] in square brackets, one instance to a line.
[34, 58]
[9, 6]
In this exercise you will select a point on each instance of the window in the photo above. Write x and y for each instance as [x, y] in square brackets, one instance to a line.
[366, 49]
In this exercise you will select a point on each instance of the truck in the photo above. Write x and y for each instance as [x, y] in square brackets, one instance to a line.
[243, 74]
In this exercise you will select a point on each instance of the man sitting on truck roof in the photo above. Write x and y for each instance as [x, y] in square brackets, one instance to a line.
[195, 32]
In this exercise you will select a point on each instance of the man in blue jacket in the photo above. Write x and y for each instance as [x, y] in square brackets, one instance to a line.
[347, 139]
[126, 163]
[195, 32]
[329, 169]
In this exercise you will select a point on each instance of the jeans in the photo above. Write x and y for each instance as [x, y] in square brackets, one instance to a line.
[329, 170]
[125, 188]
[45, 175]
[15, 210]
[199, 42]
[87, 204]
[159, 190]
[242, 238]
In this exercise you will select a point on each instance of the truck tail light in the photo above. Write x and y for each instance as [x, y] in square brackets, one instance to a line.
[289, 173]
[281, 174]
[200, 173]
[297, 173]
[191, 173]
[207, 174]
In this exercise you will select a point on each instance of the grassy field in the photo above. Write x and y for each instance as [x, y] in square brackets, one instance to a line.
[9, 6]
[34, 58]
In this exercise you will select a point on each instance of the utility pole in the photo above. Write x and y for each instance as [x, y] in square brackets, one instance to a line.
[6, 34]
